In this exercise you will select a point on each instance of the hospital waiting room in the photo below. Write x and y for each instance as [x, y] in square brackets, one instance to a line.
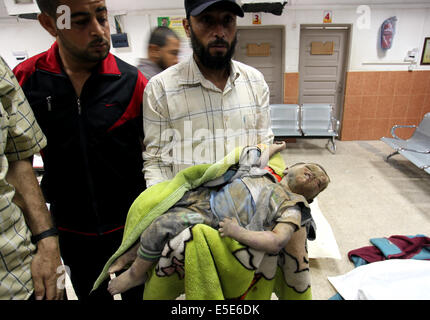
[215, 150]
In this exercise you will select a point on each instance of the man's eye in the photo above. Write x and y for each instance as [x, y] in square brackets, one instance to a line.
[80, 22]
[102, 20]
[228, 20]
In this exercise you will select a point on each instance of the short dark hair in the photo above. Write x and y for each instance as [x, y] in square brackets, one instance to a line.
[160, 34]
[48, 6]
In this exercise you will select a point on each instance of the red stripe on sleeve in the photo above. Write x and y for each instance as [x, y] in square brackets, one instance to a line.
[134, 109]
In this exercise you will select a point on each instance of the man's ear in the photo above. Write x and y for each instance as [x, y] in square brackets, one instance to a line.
[48, 23]
[187, 27]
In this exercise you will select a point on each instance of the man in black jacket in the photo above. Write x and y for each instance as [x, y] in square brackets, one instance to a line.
[89, 105]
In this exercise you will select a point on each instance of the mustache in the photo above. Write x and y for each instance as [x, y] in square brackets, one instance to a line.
[219, 42]
[98, 42]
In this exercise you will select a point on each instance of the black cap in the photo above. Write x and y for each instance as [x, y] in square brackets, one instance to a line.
[195, 7]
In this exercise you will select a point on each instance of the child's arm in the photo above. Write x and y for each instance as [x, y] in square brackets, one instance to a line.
[267, 241]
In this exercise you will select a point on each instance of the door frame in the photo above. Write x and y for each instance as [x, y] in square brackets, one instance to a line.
[346, 64]
[283, 49]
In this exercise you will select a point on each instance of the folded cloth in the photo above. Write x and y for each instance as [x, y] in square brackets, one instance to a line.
[394, 247]
[217, 268]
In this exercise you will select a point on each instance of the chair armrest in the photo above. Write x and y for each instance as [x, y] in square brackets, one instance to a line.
[395, 127]
[412, 150]
[335, 124]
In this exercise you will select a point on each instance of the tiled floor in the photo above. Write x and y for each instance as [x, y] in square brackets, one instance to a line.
[368, 198]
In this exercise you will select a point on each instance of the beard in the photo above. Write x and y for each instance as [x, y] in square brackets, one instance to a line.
[217, 62]
[162, 64]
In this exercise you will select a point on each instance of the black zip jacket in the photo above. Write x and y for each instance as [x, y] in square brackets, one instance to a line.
[93, 161]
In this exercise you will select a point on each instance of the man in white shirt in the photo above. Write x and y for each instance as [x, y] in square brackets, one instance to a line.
[201, 109]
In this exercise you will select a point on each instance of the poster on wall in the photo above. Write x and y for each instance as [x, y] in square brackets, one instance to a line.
[163, 21]
[175, 23]
[425, 58]
[328, 16]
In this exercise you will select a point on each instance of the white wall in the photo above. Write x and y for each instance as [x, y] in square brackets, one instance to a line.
[412, 26]
[22, 35]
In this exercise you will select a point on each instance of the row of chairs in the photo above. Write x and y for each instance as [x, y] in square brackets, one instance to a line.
[417, 148]
[313, 120]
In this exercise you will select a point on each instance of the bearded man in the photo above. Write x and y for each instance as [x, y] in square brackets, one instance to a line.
[199, 110]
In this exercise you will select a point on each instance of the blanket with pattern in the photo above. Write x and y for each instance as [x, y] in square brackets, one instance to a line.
[201, 264]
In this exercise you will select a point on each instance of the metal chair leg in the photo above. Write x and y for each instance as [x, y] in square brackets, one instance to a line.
[333, 148]
[393, 154]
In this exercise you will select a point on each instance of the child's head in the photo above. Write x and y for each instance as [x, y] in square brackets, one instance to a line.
[307, 179]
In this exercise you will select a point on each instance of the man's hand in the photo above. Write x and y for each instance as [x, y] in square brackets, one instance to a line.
[44, 270]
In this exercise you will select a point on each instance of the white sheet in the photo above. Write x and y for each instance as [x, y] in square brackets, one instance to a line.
[396, 279]
[325, 245]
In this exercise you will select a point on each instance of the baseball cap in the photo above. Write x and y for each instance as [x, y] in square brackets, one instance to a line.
[195, 7]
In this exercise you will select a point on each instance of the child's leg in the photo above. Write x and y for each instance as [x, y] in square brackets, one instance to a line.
[133, 277]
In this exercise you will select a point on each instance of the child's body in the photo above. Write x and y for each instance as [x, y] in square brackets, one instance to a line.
[253, 209]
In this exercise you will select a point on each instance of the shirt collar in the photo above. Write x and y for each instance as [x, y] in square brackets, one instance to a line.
[52, 64]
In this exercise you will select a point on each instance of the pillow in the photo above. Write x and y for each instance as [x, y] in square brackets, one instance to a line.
[325, 245]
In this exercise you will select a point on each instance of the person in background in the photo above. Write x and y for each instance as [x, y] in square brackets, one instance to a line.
[163, 50]
[200, 109]
[89, 105]
[29, 250]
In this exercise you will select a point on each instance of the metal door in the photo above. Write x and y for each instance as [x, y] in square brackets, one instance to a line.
[269, 60]
[322, 71]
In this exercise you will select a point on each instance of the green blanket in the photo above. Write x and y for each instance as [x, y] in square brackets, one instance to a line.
[217, 268]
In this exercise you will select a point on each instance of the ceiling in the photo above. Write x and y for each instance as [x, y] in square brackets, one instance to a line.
[131, 5]
[179, 4]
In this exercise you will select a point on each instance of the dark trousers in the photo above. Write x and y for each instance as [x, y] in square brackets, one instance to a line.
[86, 257]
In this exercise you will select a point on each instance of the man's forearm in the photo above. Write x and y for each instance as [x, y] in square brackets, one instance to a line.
[156, 172]
[31, 200]
[45, 263]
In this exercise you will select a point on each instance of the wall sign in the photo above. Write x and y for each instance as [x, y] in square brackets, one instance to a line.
[258, 50]
[256, 18]
[328, 16]
[318, 47]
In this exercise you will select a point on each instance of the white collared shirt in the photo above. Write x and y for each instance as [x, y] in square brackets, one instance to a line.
[188, 120]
